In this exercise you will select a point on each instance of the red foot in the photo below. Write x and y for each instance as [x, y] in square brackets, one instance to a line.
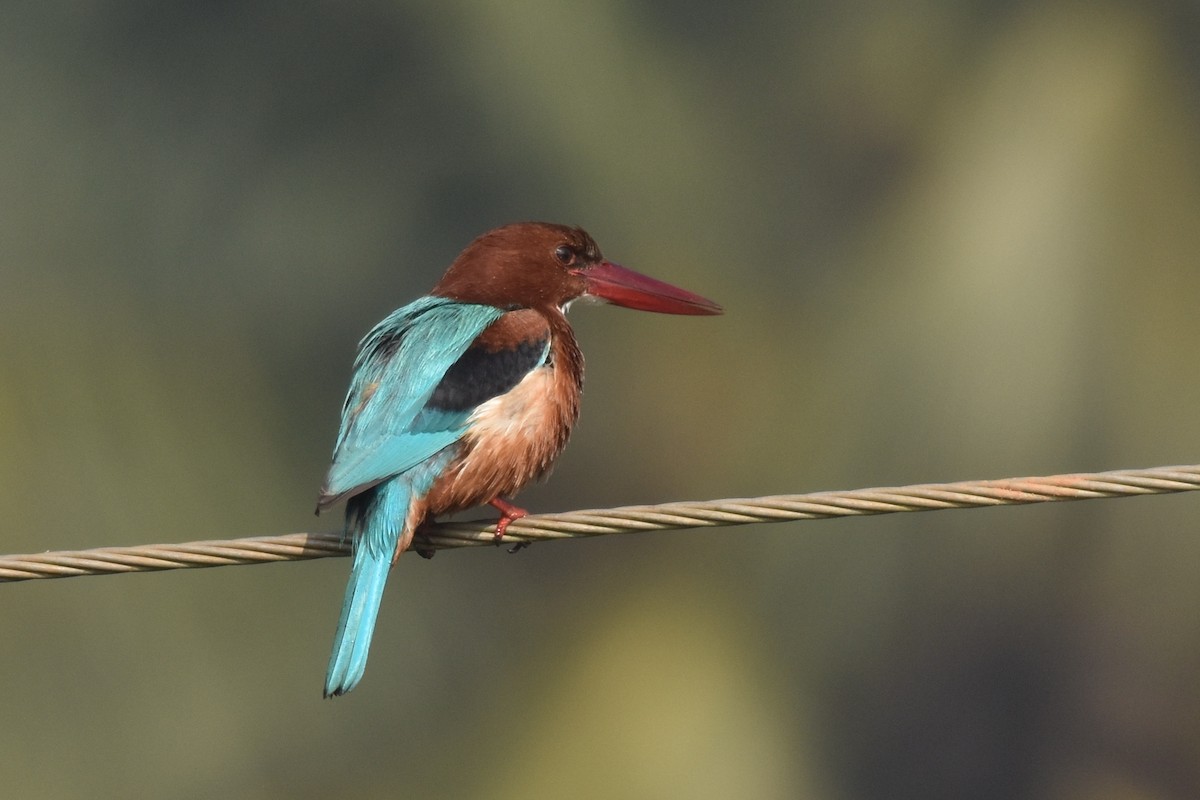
[508, 512]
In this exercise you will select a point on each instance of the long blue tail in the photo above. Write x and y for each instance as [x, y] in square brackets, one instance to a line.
[376, 523]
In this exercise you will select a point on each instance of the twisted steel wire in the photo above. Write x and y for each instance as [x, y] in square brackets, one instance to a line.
[626, 519]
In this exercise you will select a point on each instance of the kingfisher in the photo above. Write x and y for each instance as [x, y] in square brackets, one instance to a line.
[463, 397]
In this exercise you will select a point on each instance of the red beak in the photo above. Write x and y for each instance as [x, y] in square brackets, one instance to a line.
[624, 287]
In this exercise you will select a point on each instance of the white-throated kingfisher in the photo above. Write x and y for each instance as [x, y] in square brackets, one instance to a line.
[464, 396]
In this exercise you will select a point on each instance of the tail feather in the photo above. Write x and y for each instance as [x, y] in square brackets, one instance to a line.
[364, 593]
[378, 524]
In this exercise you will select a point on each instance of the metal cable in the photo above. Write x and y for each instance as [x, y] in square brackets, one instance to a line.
[627, 519]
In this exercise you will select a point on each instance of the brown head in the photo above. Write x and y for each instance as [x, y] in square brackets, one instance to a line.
[541, 265]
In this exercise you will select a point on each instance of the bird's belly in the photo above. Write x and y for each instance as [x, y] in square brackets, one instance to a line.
[510, 440]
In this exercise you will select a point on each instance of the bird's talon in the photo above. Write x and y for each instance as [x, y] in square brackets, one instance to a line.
[501, 527]
[508, 513]
[518, 547]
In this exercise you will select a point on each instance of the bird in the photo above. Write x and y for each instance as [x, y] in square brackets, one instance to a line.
[464, 396]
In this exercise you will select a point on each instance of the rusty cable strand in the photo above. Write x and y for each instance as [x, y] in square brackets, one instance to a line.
[627, 519]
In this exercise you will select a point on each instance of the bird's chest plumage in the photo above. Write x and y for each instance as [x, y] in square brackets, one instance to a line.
[513, 438]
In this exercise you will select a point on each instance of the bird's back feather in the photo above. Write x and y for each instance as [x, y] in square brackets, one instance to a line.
[399, 365]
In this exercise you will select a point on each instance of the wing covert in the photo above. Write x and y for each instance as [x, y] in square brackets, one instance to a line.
[400, 364]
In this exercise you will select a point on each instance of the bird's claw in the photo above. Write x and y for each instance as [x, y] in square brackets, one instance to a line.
[508, 513]
[421, 544]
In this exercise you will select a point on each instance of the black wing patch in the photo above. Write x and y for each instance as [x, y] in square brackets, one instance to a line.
[482, 374]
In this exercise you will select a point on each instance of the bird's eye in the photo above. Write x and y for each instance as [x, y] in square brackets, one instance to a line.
[565, 255]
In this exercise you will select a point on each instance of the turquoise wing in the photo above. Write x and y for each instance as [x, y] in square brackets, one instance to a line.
[399, 365]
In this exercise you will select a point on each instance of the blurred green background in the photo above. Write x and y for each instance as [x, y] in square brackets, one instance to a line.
[954, 240]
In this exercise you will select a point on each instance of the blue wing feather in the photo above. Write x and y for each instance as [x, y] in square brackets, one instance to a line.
[400, 363]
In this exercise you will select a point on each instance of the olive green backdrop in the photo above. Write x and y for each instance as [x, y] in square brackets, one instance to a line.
[954, 240]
